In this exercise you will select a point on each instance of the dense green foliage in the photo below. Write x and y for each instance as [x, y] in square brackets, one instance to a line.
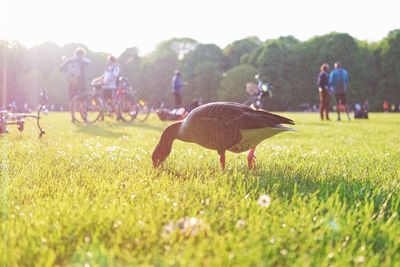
[89, 195]
[290, 65]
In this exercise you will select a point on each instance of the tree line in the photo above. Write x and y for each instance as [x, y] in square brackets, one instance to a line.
[213, 73]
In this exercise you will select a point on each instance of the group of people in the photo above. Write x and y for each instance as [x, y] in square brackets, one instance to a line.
[334, 82]
[74, 68]
[390, 107]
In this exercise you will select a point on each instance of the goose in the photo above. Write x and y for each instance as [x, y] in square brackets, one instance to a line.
[222, 126]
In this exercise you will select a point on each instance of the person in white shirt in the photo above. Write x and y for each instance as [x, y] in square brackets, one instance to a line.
[110, 78]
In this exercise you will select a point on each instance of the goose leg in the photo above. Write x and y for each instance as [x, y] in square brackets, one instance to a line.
[251, 158]
[222, 159]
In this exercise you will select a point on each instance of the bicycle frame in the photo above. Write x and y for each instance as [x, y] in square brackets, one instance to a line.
[10, 118]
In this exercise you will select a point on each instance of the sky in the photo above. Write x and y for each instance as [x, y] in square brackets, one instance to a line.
[113, 25]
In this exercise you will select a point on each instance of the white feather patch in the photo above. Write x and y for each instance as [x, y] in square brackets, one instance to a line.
[252, 137]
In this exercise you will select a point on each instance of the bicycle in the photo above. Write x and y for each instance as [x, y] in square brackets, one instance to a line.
[90, 106]
[14, 118]
[259, 93]
[129, 108]
[144, 110]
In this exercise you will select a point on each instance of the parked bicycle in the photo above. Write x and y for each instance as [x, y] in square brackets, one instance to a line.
[13, 118]
[129, 108]
[90, 106]
[144, 110]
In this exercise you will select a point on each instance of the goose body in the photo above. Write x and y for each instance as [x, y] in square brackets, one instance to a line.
[224, 126]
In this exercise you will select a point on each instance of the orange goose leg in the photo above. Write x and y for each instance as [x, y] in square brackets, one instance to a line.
[251, 158]
[222, 159]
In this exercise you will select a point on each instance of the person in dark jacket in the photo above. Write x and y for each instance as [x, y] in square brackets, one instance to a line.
[323, 88]
[177, 86]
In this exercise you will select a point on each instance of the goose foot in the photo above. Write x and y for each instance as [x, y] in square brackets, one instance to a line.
[251, 158]
[222, 160]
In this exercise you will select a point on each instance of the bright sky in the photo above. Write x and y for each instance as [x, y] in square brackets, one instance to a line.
[113, 25]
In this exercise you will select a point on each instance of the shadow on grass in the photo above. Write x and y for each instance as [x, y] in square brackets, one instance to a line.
[318, 123]
[147, 125]
[139, 125]
[103, 128]
[96, 130]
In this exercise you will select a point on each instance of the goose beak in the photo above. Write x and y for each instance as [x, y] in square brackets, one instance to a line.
[156, 163]
[160, 154]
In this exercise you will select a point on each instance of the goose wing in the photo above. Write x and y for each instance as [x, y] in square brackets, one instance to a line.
[239, 116]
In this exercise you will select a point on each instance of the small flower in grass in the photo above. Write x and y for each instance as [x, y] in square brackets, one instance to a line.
[186, 226]
[111, 149]
[360, 259]
[117, 223]
[335, 227]
[168, 229]
[283, 252]
[240, 223]
[264, 201]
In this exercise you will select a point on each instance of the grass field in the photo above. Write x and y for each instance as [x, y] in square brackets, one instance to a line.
[89, 196]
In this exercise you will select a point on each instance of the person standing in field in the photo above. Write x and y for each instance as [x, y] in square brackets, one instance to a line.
[177, 87]
[385, 106]
[109, 80]
[323, 88]
[74, 68]
[338, 82]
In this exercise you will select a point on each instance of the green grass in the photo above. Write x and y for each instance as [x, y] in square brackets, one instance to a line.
[89, 195]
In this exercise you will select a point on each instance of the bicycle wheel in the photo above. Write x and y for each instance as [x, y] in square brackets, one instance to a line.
[86, 108]
[144, 110]
[127, 109]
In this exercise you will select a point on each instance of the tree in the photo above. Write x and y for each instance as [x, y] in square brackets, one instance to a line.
[241, 51]
[130, 64]
[206, 78]
[389, 85]
[233, 84]
[276, 62]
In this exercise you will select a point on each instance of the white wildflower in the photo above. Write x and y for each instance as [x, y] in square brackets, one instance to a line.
[264, 201]
[360, 259]
[111, 149]
[240, 223]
